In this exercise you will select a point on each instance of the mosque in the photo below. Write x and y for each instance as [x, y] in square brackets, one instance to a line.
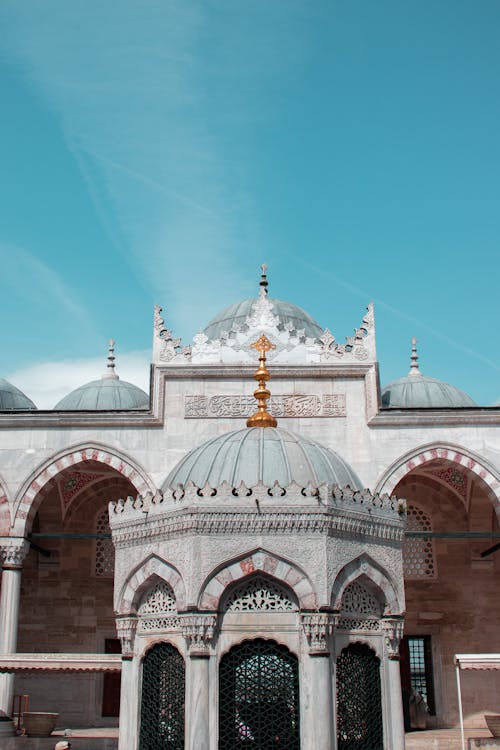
[210, 567]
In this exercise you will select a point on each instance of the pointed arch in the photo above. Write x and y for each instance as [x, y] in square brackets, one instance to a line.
[142, 577]
[368, 572]
[30, 495]
[262, 561]
[449, 452]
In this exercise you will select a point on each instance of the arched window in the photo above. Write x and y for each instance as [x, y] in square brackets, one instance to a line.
[418, 552]
[162, 703]
[360, 609]
[259, 594]
[359, 699]
[259, 697]
[104, 548]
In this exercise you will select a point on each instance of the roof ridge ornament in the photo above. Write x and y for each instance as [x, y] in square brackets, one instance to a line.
[262, 418]
[110, 373]
[414, 368]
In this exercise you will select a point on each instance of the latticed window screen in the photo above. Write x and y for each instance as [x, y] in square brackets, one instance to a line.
[357, 600]
[160, 598]
[418, 553]
[259, 594]
[104, 549]
[162, 701]
[359, 702]
[259, 697]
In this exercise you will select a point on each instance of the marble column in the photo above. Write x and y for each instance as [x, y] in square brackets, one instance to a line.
[395, 729]
[128, 737]
[13, 551]
[198, 629]
[317, 628]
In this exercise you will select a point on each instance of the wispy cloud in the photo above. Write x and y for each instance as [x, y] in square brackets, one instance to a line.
[47, 382]
[47, 286]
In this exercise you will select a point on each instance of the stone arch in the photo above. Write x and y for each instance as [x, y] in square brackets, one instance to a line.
[5, 519]
[144, 575]
[367, 571]
[450, 452]
[30, 495]
[283, 571]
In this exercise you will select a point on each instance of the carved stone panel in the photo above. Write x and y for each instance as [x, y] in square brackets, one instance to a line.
[287, 405]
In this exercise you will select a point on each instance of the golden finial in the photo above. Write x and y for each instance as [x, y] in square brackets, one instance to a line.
[261, 418]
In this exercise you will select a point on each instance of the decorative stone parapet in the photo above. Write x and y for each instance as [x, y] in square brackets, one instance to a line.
[13, 551]
[317, 628]
[126, 626]
[198, 629]
[393, 632]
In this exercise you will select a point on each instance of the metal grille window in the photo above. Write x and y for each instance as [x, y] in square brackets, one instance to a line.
[259, 698]
[104, 549]
[359, 701]
[416, 668]
[418, 554]
[162, 704]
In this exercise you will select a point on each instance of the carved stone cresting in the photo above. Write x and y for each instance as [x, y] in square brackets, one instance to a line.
[317, 628]
[198, 629]
[287, 405]
[167, 348]
[359, 347]
[13, 551]
[262, 313]
[393, 632]
[126, 626]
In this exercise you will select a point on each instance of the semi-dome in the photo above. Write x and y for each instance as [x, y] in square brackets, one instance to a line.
[420, 391]
[107, 394]
[12, 399]
[262, 454]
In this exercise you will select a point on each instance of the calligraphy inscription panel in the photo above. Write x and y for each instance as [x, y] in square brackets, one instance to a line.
[293, 405]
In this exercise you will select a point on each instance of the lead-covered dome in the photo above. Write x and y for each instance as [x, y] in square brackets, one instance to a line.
[107, 394]
[262, 454]
[420, 391]
[290, 317]
[12, 399]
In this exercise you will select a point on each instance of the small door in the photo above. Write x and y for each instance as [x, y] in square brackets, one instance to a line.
[111, 682]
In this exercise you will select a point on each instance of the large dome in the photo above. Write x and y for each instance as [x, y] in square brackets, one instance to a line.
[262, 454]
[289, 315]
[12, 399]
[417, 391]
[107, 394]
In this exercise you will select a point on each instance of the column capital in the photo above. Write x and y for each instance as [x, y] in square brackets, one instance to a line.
[317, 628]
[198, 629]
[13, 550]
[126, 625]
[393, 632]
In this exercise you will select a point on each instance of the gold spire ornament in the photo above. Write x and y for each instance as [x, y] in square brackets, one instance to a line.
[261, 418]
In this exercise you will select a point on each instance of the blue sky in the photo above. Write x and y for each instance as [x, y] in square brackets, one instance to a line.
[158, 152]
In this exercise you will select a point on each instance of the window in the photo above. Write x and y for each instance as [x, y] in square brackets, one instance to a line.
[104, 549]
[418, 552]
[416, 669]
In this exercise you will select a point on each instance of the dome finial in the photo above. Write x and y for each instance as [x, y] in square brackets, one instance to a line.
[414, 369]
[261, 418]
[263, 279]
[110, 368]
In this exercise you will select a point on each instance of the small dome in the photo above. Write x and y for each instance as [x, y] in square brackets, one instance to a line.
[12, 399]
[107, 394]
[288, 314]
[262, 454]
[417, 391]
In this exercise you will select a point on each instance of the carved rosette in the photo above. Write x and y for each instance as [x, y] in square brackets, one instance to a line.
[126, 625]
[13, 552]
[317, 628]
[198, 630]
[393, 632]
